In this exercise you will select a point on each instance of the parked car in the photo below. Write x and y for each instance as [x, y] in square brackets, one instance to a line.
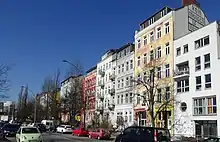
[143, 134]
[64, 129]
[29, 134]
[212, 139]
[100, 134]
[41, 127]
[80, 132]
[10, 129]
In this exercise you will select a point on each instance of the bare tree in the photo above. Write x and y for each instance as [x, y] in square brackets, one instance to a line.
[158, 91]
[4, 81]
[50, 88]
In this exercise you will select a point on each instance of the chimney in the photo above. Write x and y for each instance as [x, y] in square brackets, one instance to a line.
[189, 2]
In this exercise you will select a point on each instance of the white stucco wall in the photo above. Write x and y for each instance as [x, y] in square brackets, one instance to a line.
[186, 119]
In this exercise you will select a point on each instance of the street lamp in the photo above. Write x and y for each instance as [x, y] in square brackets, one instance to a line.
[35, 104]
[85, 103]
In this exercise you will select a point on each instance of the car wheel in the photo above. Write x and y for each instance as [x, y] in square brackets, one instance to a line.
[62, 131]
[98, 138]
[90, 136]
[78, 135]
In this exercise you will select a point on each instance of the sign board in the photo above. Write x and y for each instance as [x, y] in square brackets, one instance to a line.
[196, 18]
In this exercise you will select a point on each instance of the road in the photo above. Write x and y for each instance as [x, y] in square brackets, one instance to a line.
[54, 137]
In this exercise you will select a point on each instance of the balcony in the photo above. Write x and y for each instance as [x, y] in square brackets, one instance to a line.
[111, 107]
[112, 76]
[100, 96]
[101, 84]
[111, 91]
[102, 73]
[181, 73]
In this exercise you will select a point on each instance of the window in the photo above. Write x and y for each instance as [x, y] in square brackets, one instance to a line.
[130, 116]
[145, 58]
[131, 80]
[138, 99]
[119, 69]
[145, 40]
[167, 28]
[139, 61]
[159, 73]
[185, 48]
[139, 43]
[151, 36]
[126, 98]
[198, 83]
[118, 83]
[167, 48]
[151, 55]
[167, 74]
[145, 77]
[178, 51]
[158, 52]
[122, 82]
[198, 63]
[131, 98]
[207, 63]
[212, 108]
[127, 81]
[205, 106]
[167, 93]
[208, 81]
[199, 106]
[131, 64]
[118, 100]
[127, 66]
[158, 32]
[159, 95]
[122, 67]
[122, 99]
[202, 42]
[183, 86]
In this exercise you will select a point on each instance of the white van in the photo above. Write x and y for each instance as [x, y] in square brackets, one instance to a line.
[48, 123]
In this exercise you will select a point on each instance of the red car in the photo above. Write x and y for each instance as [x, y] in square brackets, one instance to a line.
[100, 134]
[80, 132]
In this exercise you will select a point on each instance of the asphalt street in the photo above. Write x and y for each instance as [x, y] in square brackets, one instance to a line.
[55, 137]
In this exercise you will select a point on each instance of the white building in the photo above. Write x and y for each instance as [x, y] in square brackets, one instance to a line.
[105, 85]
[197, 61]
[124, 84]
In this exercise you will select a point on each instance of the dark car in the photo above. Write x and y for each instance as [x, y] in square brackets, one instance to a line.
[10, 129]
[144, 134]
[212, 139]
[41, 127]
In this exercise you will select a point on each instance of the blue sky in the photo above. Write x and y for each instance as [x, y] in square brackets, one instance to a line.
[36, 35]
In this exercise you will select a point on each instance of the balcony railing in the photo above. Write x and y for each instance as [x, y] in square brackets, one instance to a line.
[111, 91]
[100, 96]
[112, 76]
[101, 83]
[180, 73]
[102, 73]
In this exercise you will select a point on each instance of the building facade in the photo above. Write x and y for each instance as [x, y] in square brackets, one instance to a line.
[89, 94]
[105, 85]
[197, 77]
[154, 53]
[124, 84]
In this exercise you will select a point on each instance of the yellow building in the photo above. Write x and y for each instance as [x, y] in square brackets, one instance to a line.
[154, 55]
[153, 50]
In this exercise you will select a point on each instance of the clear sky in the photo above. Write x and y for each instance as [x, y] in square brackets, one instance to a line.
[36, 35]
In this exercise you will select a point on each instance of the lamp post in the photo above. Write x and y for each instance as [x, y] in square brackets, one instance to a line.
[85, 102]
[35, 104]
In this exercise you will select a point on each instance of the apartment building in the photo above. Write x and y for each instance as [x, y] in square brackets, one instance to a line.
[89, 94]
[105, 85]
[124, 84]
[197, 60]
[154, 49]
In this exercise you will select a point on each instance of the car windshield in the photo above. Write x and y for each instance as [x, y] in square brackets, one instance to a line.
[68, 127]
[11, 127]
[29, 130]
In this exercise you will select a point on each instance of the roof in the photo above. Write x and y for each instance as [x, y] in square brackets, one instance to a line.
[91, 69]
[28, 127]
[125, 46]
[72, 76]
[155, 14]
